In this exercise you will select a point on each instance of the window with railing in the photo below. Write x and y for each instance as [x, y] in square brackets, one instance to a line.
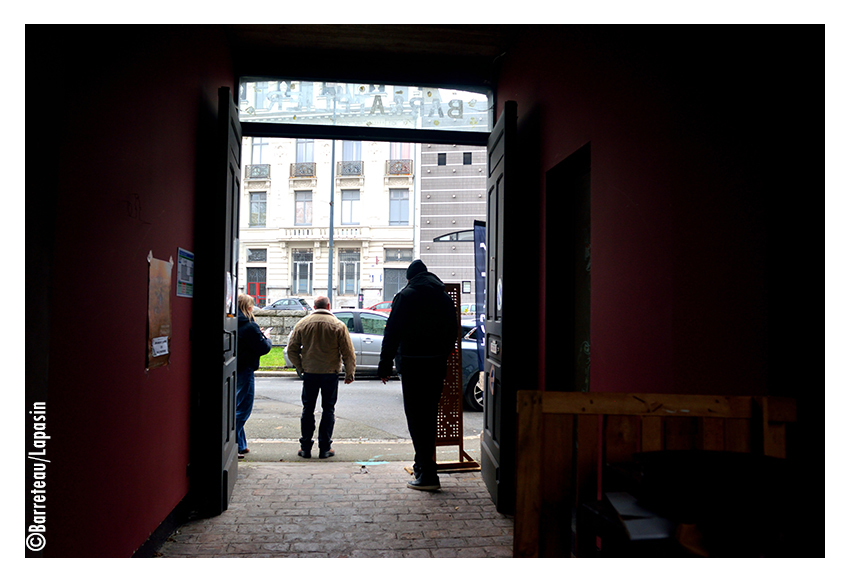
[304, 150]
[259, 150]
[258, 172]
[351, 151]
[399, 167]
[354, 168]
[302, 170]
[400, 151]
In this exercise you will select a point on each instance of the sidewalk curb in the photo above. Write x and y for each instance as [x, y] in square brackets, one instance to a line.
[275, 374]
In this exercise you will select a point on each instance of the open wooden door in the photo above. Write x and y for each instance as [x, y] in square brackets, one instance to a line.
[498, 439]
[213, 455]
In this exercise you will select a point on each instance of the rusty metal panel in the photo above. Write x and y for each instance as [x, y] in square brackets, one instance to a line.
[450, 410]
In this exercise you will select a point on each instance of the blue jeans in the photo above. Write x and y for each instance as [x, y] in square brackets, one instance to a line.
[244, 404]
[328, 386]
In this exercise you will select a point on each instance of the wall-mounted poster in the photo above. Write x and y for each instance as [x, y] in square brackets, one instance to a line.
[159, 312]
[230, 283]
[185, 272]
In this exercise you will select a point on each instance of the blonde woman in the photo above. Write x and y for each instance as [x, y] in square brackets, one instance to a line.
[252, 343]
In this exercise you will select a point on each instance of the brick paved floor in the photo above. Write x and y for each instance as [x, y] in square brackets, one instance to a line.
[340, 509]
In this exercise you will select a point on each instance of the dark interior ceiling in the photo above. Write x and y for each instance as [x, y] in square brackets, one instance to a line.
[459, 54]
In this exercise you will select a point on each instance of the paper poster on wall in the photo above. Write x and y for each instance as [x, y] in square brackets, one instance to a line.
[159, 312]
[185, 272]
[230, 307]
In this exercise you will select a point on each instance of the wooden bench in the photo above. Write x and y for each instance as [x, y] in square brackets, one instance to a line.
[565, 439]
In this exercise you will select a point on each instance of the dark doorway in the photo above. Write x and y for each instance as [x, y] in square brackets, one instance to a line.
[568, 272]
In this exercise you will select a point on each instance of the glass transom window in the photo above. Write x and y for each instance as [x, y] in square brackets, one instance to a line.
[363, 105]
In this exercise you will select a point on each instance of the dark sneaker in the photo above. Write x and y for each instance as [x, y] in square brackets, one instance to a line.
[425, 483]
[304, 454]
[326, 454]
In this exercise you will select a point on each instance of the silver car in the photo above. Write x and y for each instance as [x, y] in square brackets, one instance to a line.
[290, 303]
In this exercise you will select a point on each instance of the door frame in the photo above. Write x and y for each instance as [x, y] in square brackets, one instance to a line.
[271, 130]
[568, 227]
[213, 462]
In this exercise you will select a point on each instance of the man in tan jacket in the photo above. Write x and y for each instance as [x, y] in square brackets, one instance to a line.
[318, 346]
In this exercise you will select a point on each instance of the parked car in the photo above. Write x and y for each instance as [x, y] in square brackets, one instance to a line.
[473, 390]
[467, 309]
[383, 306]
[291, 303]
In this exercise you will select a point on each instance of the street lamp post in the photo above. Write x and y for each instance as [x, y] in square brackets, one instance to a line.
[331, 226]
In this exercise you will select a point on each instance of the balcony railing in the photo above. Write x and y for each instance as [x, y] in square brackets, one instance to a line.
[349, 168]
[258, 172]
[302, 170]
[399, 167]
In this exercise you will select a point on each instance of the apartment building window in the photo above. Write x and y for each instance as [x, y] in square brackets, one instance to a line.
[303, 207]
[257, 285]
[259, 151]
[398, 255]
[349, 272]
[257, 204]
[257, 255]
[467, 158]
[399, 207]
[400, 151]
[302, 272]
[351, 151]
[394, 281]
[441, 159]
[303, 151]
[350, 207]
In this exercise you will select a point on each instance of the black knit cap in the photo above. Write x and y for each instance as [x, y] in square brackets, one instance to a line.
[415, 268]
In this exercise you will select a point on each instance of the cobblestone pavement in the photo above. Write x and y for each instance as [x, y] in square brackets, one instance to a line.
[338, 509]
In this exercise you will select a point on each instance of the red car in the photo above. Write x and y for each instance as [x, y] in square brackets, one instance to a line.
[383, 306]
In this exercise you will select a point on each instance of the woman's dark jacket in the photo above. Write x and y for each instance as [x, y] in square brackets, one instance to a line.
[422, 324]
[251, 344]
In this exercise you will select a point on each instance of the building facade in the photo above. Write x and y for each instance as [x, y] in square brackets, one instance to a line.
[453, 186]
[285, 247]
[392, 203]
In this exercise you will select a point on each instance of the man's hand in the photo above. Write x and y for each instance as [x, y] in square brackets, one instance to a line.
[384, 380]
[349, 380]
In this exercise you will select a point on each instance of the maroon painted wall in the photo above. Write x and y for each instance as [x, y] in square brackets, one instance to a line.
[126, 186]
[686, 153]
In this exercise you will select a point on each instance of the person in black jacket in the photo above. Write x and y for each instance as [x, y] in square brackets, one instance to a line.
[251, 344]
[422, 330]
